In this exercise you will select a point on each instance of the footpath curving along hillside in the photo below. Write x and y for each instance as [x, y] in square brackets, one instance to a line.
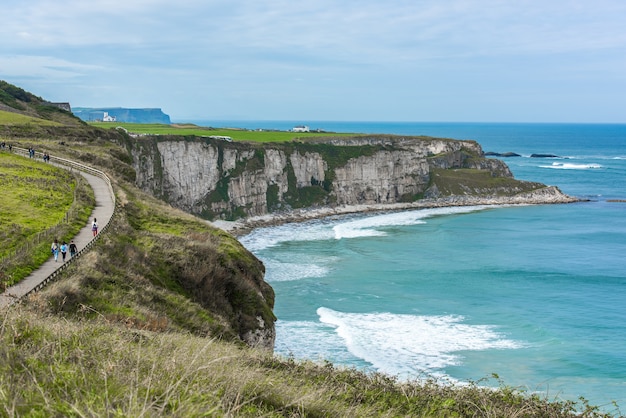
[103, 212]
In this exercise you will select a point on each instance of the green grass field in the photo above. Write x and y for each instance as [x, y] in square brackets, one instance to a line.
[235, 134]
[35, 197]
[10, 118]
[39, 202]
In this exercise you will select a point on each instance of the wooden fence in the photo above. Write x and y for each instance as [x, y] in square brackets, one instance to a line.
[71, 165]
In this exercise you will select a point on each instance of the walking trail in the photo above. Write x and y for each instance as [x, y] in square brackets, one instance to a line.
[103, 212]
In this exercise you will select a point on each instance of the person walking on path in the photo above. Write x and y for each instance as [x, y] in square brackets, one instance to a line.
[55, 249]
[94, 227]
[63, 250]
[73, 249]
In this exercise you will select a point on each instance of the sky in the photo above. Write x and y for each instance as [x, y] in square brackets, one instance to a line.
[326, 60]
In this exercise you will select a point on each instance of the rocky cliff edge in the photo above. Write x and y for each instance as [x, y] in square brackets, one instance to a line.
[232, 181]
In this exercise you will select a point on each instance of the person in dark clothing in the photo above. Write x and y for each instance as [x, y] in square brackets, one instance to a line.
[73, 249]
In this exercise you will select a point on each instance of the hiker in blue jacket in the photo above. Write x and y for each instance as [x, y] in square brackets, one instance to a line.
[55, 249]
[63, 250]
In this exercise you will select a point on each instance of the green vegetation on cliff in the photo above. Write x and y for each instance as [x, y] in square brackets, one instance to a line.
[470, 181]
[165, 270]
[18, 101]
[52, 366]
[10, 118]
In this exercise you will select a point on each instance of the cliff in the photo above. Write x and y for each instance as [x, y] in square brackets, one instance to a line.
[233, 180]
[121, 114]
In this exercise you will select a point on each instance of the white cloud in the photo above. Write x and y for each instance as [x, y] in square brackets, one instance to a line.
[399, 48]
[42, 66]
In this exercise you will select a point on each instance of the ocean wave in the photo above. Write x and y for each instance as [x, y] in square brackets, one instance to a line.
[578, 157]
[294, 338]
[349, 226]
[572, 166]
[262, 238]
[277, 271]
[411, 345]
[367, 227]
[600, 157]
[370, 226]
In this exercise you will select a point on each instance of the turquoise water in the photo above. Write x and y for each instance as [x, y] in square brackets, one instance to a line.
[535, 294]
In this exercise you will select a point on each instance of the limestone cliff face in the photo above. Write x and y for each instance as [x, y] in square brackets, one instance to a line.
[231, 180]
[384, 177]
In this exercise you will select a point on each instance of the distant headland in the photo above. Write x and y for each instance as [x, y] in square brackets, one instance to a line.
[121, 114]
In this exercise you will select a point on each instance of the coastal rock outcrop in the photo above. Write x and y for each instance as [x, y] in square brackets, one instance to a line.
[233, 180]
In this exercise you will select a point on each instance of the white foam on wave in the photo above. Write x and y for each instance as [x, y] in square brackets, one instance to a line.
[370, 226]
[277, 271]
[310, 340]
[350, 226]
[262, 238]
[580, 157]
[572, 166]
[596, 157]
[410, 345]
[367, 227]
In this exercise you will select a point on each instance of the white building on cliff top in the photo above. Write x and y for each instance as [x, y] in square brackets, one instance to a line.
[107, 118]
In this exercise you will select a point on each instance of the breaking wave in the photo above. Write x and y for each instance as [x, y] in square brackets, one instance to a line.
[572, 166]
[411, 345]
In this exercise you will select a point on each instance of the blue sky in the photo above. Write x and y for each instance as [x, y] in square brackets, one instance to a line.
[365, 60]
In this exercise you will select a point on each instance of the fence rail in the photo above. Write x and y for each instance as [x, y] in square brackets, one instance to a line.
[72, 165]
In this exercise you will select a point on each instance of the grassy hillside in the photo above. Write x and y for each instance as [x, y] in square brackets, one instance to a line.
[39, 203]
[91, 367]
[149, 323]
[13, 99]
[11, 118]
[36, 196]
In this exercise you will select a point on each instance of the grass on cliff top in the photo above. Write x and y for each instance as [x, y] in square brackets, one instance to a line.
[234, 133]
[40, 202]
[54, 367]
[35, 196]
[462, 181]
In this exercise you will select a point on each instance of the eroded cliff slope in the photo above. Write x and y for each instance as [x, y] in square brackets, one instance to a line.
[232, 180]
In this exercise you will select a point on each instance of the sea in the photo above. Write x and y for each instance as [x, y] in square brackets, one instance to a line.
[532, 297]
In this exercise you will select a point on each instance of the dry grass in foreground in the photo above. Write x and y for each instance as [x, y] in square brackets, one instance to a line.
[51, 366]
